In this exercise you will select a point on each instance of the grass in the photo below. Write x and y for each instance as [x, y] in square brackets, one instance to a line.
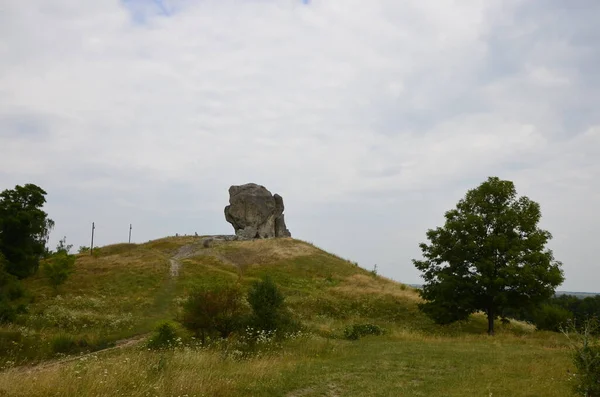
[126, 289]
[402, 364]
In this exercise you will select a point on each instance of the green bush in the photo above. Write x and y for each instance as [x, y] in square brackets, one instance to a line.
[217, 310]
[267, 302]
[551, 317]
[165, 336]
[355, 331]
[586, 357]
[58, 268]
[10, 291]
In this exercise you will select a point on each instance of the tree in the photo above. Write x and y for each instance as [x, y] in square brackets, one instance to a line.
[267, 304]
[60, 265]
[489, 255]
[24, 228]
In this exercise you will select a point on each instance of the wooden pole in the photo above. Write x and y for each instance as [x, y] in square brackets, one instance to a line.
[92, 245]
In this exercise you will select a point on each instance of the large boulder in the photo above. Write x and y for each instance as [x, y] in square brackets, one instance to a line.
[255, 213]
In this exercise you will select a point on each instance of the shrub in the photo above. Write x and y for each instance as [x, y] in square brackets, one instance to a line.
[267, 304]
[10, 290]
[586, 356]
[83, 250]
[354, 332]
[58, 268]
[217, 310]
[551, 317]
[165, 336]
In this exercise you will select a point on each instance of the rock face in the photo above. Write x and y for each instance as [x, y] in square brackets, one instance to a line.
[255, 213]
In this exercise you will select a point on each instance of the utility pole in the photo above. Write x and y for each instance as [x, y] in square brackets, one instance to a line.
[92, 245]
[130, 227]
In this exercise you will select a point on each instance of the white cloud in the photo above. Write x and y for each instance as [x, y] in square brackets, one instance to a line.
[363, 104]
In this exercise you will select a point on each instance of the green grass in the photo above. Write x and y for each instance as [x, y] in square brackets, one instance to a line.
[126, 289]
[402, 364]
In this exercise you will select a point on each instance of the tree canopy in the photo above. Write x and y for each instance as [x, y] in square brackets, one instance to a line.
[490, 255]
[24, 228]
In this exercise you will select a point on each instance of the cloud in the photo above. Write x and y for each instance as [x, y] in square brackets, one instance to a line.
[145, 112]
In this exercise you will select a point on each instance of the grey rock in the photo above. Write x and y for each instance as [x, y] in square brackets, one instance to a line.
[255, 213]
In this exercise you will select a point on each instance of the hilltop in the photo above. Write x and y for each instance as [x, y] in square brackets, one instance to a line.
[118, 295]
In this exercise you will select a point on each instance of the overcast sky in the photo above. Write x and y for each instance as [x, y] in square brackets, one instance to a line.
[371, 118]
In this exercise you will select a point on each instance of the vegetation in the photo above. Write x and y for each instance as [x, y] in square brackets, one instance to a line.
[218, 309]
[586, 357]
[165, 336]
[267, 302]
[489, 256]
[10, 291]
[118, 297]
[60, 265]
[24, 229]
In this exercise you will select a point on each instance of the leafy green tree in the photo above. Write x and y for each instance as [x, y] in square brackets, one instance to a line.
[489, 255]
[24, 228]
[60, 265]
[267, 304]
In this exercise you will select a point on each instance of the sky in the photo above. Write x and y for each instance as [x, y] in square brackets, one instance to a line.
[370, 118]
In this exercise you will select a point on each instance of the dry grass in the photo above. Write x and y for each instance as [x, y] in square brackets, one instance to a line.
[363, 284]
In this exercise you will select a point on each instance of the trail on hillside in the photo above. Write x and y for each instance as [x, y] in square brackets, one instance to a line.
[187, 251]
[120, 344]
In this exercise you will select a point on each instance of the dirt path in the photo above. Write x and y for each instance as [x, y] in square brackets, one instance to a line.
[120, 344]
[187, 251]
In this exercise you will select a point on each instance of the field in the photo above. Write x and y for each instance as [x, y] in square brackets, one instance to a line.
[116, 298]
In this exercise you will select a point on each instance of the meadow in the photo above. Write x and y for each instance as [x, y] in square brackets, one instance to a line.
[89, 339]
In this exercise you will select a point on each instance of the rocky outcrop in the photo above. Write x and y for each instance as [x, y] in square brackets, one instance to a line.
[255, 213]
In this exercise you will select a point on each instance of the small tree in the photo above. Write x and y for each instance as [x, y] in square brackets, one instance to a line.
[60, 265]
[24, 229]
[267, 304]
[490, 255]
[213, 310]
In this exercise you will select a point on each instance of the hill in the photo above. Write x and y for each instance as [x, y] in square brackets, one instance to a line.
[119, 294]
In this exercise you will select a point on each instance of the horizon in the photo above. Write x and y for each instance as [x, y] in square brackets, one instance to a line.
[370, 119]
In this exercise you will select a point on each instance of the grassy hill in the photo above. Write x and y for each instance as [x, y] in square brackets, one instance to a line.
[122, 292]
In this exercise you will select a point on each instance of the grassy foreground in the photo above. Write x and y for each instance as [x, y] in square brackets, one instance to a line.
[402, 364]
[126, 289]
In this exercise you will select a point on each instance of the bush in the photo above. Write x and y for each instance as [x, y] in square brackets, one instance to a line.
[218, 310]
[165, 336]
[586, 356]
[551, 317]
[58, 268]
[267, 304]
[354, 332]
[10, 290]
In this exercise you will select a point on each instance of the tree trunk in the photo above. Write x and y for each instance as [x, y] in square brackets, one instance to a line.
[490, 316]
